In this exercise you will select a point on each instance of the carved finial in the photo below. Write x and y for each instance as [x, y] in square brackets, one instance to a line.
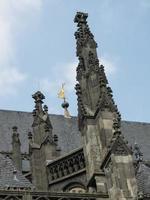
[83, 34]
[137, 152]
[40, 113]
[38, 96]
[80, 17]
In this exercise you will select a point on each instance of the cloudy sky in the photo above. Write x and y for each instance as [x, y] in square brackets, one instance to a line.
[37, 52]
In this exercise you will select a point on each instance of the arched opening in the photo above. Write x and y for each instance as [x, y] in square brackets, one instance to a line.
[75, 187]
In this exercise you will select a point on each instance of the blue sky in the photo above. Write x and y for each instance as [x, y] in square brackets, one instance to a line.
[37, 52]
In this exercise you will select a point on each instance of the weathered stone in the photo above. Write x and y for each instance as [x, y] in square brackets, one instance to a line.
[102, 169]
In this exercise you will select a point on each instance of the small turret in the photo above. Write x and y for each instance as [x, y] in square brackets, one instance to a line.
[16, 150]
[42, 144]
[40, 117]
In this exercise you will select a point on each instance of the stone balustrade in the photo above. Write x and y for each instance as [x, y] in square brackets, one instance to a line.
[69, 164]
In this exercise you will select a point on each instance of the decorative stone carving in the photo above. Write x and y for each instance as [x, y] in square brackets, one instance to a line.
[138, 153]
[66, 166]
[119, 148]
[92, 90]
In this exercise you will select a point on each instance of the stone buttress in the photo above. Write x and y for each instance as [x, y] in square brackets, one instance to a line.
[97, 114]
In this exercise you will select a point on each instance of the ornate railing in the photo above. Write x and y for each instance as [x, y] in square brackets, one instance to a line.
[67, 165]
[28, 195]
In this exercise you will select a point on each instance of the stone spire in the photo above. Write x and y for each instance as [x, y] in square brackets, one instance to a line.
[99, 123]
[16, 150]
[40, 114]
[42, 144]
[93, 91]
[41, 117]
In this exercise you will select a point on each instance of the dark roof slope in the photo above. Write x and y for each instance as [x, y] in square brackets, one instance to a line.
[10, 177]
[138, 132]
[67, 131]
[143, 179]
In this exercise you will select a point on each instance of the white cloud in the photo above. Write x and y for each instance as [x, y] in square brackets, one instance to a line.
[67, 75]
[70, 75]
[25, 5]
[13, 14]
[9, 78]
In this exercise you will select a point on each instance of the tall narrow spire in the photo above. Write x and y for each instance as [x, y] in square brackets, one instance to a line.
[84, 36]
[92, 88]
[99, 122]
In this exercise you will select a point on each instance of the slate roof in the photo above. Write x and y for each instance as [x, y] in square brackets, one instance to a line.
[7, 177]
[138, 132]
[67, 131]
[143, 179]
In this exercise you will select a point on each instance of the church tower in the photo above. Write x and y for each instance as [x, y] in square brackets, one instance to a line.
[42, 144]
[99, 122]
